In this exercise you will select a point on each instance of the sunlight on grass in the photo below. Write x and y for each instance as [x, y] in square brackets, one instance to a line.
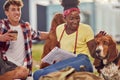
[37, 50]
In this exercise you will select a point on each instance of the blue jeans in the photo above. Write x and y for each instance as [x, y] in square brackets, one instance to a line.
[75, 62]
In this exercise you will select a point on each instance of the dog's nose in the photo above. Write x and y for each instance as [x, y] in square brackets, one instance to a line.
[98, 51]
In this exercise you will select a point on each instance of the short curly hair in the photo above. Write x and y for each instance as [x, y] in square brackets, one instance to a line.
[12, 2]
[67, 4]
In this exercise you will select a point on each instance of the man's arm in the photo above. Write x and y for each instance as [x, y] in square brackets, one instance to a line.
[43, 35]
[18, 73]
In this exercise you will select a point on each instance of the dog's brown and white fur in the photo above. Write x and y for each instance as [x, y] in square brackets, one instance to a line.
[51, 42]
[105, 52]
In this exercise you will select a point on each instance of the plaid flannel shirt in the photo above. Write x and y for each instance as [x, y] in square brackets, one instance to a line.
[29, 35]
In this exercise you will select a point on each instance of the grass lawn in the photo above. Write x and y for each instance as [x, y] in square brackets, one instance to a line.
[37, 51]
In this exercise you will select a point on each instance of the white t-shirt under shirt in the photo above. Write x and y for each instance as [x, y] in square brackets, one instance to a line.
[16, 50]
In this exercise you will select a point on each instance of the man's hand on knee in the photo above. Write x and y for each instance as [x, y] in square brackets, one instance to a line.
[21, 72]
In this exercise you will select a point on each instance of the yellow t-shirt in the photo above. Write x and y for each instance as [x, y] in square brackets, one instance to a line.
[67, 42]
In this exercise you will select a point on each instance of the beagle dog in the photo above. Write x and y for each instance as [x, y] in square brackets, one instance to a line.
[51, 42]
[105, 53]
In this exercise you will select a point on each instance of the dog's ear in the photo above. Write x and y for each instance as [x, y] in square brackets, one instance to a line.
[57, 20]
[98, 64]
[92, 46]
[112, 51]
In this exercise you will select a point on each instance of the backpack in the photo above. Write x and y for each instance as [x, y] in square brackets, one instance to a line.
[69, 73]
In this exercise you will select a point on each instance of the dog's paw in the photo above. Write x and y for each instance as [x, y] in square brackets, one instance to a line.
[101, 33]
